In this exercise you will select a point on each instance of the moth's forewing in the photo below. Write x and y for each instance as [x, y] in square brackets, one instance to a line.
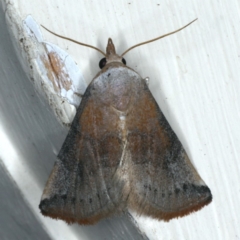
[83, 186]
[164, 182]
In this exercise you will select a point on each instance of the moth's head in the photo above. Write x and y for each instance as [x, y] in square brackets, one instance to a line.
[111, 55]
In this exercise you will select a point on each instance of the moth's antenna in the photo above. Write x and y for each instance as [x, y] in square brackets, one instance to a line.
[155, 39]
[69, 39]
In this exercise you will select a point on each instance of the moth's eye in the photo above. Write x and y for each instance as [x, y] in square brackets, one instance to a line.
[102, 63]
[124, 61]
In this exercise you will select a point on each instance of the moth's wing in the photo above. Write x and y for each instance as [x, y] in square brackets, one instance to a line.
[164, 183]
[82, 186]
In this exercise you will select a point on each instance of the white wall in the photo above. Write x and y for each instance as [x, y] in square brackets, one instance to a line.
[194, 76]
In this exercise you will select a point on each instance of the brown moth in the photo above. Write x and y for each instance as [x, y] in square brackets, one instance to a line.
[120, 154]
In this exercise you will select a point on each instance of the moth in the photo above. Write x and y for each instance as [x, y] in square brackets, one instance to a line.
[121, 153]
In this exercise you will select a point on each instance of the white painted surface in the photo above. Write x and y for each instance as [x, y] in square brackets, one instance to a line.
[194, 76]
[69, 69]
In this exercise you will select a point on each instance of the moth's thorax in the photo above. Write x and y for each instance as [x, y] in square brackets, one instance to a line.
[117, 86]
[117, 89]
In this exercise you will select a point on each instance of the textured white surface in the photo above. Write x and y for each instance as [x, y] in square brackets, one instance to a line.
[54, 73]
[194, 76]
[70, 74]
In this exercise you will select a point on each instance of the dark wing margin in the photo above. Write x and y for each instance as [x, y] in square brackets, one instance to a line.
[164, 183]
[82, 187]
